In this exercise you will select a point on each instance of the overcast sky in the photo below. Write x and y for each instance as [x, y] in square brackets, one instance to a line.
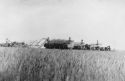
[90, 20]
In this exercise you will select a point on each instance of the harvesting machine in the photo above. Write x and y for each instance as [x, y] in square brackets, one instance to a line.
[70, 44]
[59, 44]
[9, 43]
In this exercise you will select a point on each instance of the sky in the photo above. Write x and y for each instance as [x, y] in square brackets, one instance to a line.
[90, 20]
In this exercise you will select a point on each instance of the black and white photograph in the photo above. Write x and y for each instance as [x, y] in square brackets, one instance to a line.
[62, 40]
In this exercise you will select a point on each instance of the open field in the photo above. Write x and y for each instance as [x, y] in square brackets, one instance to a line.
[30, 64]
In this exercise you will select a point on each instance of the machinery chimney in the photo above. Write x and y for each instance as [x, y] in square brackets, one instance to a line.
[69, 38]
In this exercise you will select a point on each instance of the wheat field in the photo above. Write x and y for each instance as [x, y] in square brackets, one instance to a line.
[31, 64]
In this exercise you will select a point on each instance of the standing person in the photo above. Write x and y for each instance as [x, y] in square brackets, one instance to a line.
[82, 44]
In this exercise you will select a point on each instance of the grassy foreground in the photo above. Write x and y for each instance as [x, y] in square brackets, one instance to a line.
[19, 64]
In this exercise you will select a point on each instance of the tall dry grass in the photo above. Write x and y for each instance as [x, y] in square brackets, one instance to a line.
[30, 64]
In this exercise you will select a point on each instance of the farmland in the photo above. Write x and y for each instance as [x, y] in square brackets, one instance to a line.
[33, 64]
